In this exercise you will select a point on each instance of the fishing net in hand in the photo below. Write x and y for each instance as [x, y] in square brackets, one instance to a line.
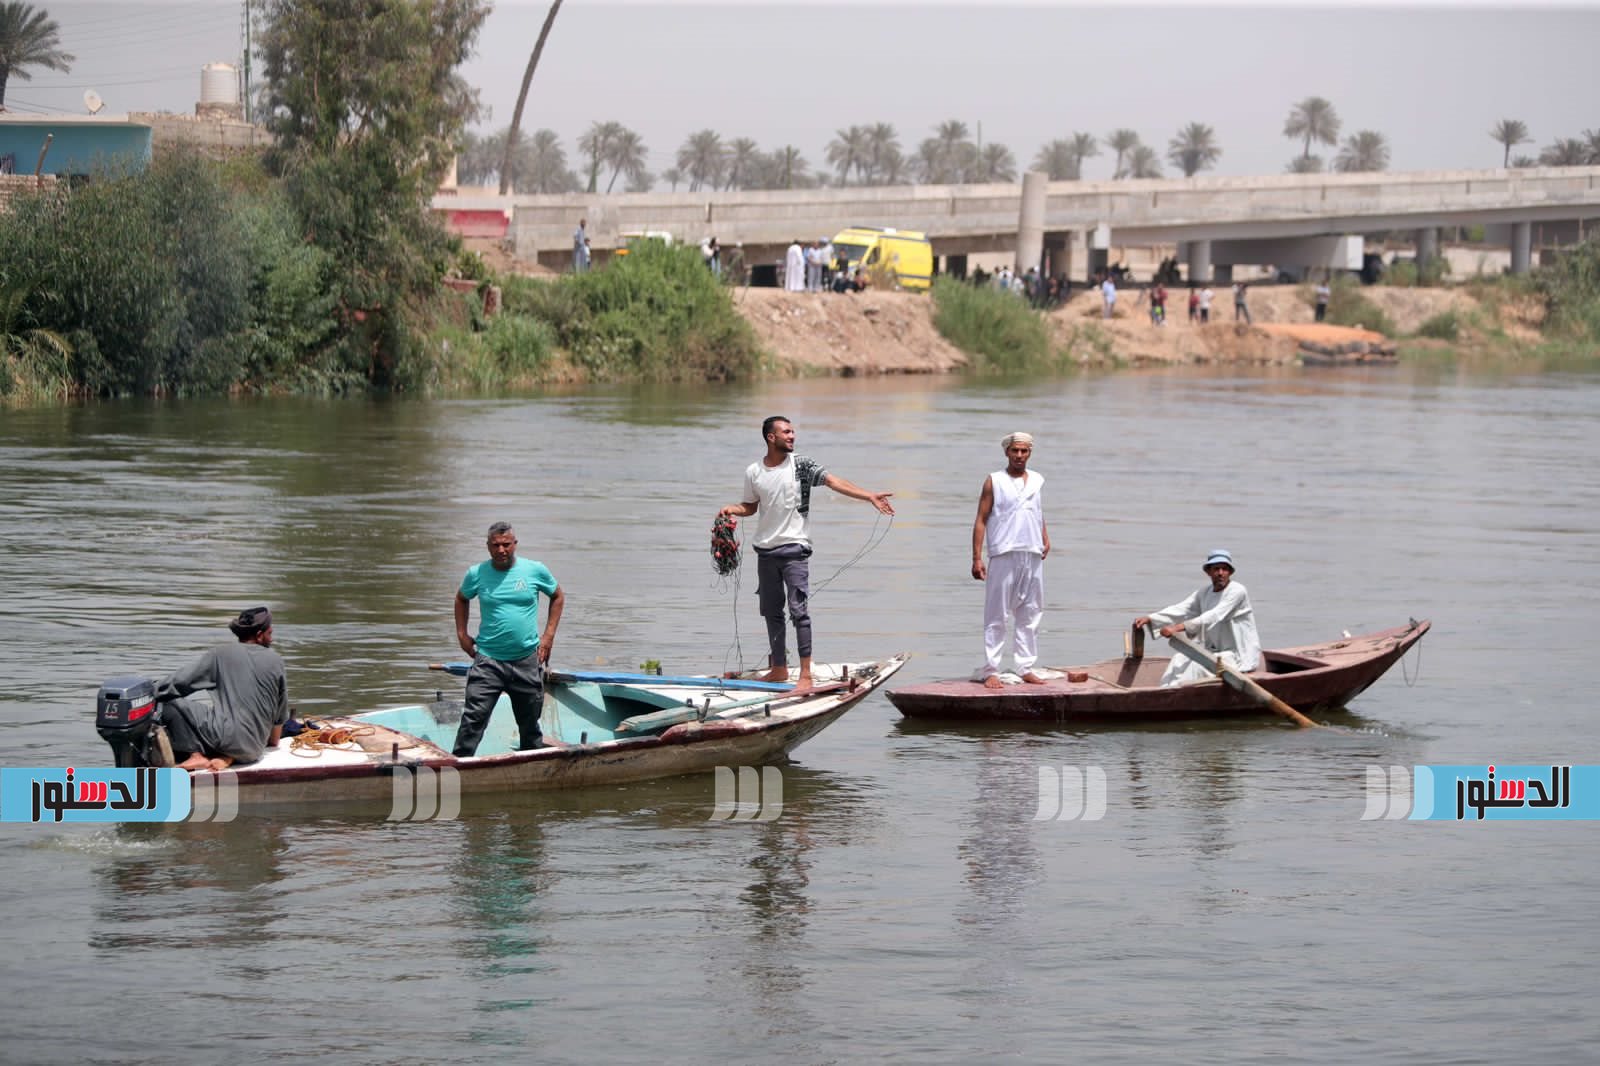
[724, 548]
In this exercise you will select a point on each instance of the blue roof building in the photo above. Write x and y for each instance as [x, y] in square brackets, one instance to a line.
[79, 144]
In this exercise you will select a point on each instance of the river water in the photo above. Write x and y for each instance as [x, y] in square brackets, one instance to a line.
[906, 906]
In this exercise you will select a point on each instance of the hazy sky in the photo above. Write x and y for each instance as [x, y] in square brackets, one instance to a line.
[1432, 77]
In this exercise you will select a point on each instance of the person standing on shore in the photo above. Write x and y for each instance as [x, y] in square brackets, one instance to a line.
[1194, 305]
[580, 247]
[777, 490]
[1010, 524]
[1323, 295]
[509, 654]
[1206, 296]
[1108, 293]
[1241, 309]
[794, 267]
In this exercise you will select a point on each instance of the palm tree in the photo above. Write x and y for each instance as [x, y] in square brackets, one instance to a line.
[702, 159]
[881, 142]
[1121, 142]
[892, 166]
[742, 157]
[545, 164]
[846, 150]
[1313, 119]
[1056, 161]
[478, 158]
[626, 155]
[596, 144]
[1194, 149]
[1084, 145]
[927, 164]
[507, 166]
[42, 354]
[996, 163]
[1305, 164]
[1510, 132]
[640, 180]
[1366, 150]
[1565, 152]
[28, 38]
[1142, 162]
[1591, 140]
[672, 176]
[791, 167]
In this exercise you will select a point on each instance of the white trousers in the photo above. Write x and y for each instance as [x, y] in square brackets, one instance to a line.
[1183, 670]
[1013, 594]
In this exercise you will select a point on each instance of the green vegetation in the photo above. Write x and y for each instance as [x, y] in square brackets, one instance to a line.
[1348, 307]
[1444, 326]
[1001, 332]
[1571, 291]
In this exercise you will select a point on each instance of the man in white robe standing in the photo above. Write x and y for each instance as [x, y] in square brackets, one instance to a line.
[1219, 616]
[794, 268]
[1010, 524]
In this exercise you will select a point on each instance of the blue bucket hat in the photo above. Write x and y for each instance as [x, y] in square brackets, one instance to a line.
[1219, 555]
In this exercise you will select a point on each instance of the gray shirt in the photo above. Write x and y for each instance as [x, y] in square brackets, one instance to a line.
[250, 695]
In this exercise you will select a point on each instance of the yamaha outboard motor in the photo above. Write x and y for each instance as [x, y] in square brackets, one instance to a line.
[127, 717]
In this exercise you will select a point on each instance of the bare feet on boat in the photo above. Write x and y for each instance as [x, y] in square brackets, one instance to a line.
[993, 681]
[1032, 678]
[778, 673]
[802, 684]
[198, 762]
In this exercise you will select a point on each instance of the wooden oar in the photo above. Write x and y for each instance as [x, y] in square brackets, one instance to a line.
[671, 716]
[1234, 679]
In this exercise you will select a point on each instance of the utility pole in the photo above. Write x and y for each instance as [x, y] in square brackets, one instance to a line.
[245, 66]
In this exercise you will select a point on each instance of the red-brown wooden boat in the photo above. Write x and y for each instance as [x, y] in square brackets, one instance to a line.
[1310, 678]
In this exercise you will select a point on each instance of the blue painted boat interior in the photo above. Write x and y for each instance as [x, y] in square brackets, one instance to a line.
[583, 711]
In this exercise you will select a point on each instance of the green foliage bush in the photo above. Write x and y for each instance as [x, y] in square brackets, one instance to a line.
[1347, 306]
[1445, 326]
[1001, 332]
[656, 315]
[1570, 288]
[521, 345]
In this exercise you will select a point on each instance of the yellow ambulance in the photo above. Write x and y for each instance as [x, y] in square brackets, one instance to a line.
[904, 253]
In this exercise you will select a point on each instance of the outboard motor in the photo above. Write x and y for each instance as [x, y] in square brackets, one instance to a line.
[128, 718]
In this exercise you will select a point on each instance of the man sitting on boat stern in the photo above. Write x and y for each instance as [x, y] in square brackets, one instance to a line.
[508, 654]
[777, 489]
[1220, 615]
[249, 702]
[1011, 525]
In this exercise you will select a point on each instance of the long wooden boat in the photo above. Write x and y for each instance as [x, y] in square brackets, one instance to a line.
[1309, 678]
[601, 729]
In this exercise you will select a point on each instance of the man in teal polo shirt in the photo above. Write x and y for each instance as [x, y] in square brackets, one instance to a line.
[508, 655]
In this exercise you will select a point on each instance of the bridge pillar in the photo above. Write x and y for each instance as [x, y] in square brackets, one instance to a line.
[1521, 247]
[1199, 262]
[1427, 246]
[1030, 221]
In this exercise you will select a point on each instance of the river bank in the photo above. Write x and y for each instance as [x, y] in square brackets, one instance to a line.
[893, 332]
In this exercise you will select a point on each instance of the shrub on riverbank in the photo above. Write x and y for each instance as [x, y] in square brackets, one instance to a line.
[1571, 290]
[1347, 306]
[656, 314]
[998, 329]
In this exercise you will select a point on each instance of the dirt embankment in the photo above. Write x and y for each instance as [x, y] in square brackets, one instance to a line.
[893, 333]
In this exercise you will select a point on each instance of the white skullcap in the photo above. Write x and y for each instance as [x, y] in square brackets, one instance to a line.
[1016, 438]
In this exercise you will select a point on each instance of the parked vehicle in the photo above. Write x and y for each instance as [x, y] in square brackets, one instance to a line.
[905, 255]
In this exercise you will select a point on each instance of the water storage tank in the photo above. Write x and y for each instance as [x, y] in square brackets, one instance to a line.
[219, 85]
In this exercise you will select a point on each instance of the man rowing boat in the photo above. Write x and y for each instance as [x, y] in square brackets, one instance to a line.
[1220, 615]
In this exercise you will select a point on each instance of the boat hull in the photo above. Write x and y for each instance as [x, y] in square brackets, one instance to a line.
[360, 777]
[1309, 678]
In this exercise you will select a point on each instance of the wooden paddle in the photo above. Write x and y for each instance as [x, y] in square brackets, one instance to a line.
[1234, 679]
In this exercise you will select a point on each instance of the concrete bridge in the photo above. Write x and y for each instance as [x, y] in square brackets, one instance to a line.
[1308, 221]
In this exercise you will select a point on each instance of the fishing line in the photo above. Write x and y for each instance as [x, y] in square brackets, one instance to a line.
[728, 575]
[1412, 679]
